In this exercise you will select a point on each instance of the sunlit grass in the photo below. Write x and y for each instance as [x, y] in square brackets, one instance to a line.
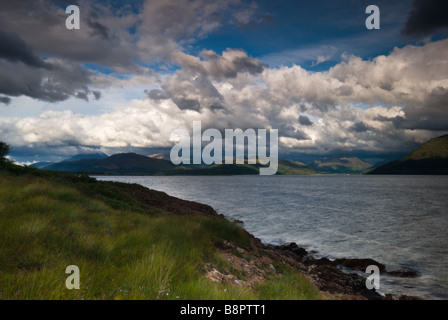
[122, 254]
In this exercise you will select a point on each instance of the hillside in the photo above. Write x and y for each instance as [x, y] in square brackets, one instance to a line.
[430, 158]
[340, 165]
[118, 164]
[436, 148]
[288, 167]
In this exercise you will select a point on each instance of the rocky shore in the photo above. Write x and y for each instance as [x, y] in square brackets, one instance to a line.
[329, 276]
[325, 274]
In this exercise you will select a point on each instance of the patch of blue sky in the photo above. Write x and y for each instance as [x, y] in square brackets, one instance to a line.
[100, 69]
[312, 34]
[162, 68]
[365, 106]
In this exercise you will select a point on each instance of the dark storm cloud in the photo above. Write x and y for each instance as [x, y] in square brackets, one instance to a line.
[296, 134]
[427, 17]
[220, 67]
[305, 121]
[359, 127]
[98, 29]
[58, 83]
[102, 38]
[14, 49]
[236, 61]
[431, 114]
[32, 29]
[96, 94]
[82, 95]
[397, 121]
[187, 104]
[156, 94]
[5, 100]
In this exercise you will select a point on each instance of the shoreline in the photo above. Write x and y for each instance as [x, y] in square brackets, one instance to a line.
[327, 275]
[330, 277]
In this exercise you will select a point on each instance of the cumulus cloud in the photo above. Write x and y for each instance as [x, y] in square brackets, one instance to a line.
[413, 77]
[189, 91]
[141, 124]
[228, 65]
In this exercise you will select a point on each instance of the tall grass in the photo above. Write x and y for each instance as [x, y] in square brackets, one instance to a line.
[122, 254]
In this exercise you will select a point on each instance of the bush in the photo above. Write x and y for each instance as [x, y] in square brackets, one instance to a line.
[4, 149]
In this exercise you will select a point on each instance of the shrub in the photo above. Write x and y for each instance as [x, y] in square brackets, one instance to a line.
[4, 149]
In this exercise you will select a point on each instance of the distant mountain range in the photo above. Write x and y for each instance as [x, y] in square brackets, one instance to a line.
[95, 155]
[117, 164]
[429, 158]
[159, 164]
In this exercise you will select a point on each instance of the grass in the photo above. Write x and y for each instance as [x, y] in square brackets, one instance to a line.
[50, 221]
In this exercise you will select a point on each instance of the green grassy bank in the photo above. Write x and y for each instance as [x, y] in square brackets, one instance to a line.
[125, 247]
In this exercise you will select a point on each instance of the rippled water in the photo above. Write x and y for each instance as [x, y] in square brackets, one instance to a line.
[401, 221]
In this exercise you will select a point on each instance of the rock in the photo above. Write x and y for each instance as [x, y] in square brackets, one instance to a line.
[225, 245]
[359, 264]
[300, 252]
[241, 250]
[330, 278]
[293, 247]
[217, 276]
[319, 262]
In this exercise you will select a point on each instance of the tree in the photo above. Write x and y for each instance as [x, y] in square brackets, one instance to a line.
[4, 149]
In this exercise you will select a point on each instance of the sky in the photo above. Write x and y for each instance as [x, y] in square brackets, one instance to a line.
[137, 70]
